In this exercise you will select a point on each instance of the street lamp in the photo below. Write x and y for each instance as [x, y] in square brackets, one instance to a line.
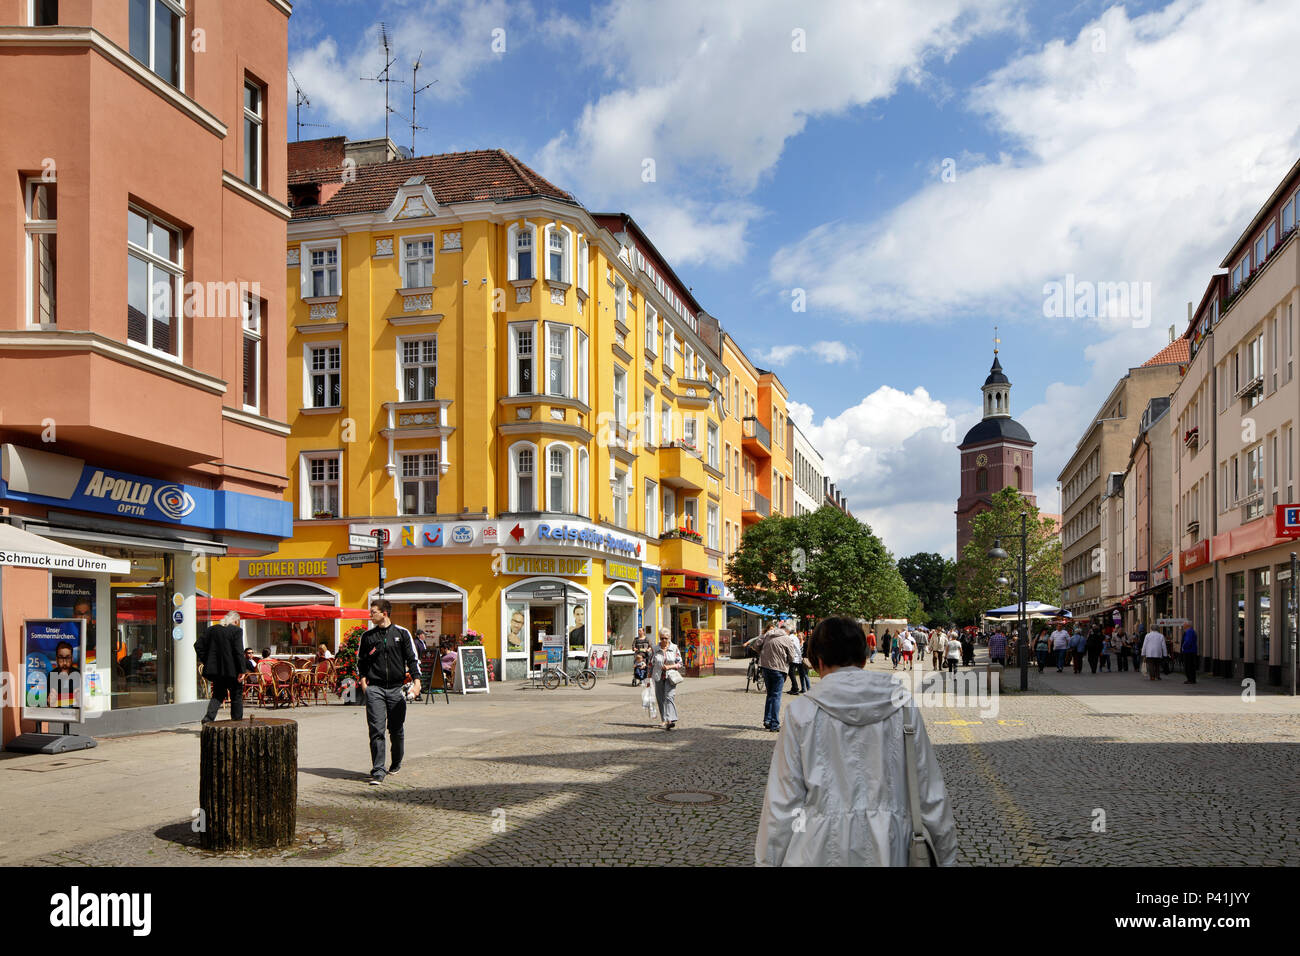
[998, 554]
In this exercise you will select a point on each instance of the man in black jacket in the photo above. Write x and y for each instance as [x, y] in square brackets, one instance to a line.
[221, 652]
[384, 657]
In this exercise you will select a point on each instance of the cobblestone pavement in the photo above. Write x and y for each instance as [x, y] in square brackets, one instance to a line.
[560, 778]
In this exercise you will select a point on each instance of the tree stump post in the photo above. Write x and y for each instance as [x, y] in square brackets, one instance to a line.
[248, 783]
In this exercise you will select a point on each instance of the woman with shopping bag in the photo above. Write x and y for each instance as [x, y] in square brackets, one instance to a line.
[854, 780]
[665, 675]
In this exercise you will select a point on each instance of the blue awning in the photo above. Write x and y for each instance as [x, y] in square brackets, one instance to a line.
[754, 609]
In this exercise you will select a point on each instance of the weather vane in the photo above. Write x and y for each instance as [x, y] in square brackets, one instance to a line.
[996, 341]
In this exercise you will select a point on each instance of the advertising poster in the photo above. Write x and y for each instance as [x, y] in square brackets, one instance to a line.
[75, 597]
[578, 627]
[472, 673]
[516, 615]
[428, 621]
[598, 659]
[52, 664]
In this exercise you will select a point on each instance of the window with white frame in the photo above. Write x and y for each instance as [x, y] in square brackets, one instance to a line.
[712, 526]
[521, 245]
[665, 424]
[252, 332]
[521, 359]
[581, 357]
[584, 479]
[254, 101]
[321, 276]
[619, 489]
[688, 362]
[557, 478]
[559, 246]
[726, 457]
[648, 419]
[713, 445]
[323, 497]
[583, 266]
[690, 513]
[324, 376]
[45, 13]
[670, 346]
[670, 510]
[688, 430]
[522, 487]
[42, 251]
[1261, 251]
[651, 329]
[651, 509]
[419, 483]
[620, 396]
[154, 272]
[620, 301]
[558, 375]
[419, 369]
[417, 262]
[157, 37]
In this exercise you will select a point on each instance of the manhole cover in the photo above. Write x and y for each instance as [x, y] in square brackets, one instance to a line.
[693, 798]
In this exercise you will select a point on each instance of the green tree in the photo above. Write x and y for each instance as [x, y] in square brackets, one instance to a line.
[931, 577]
[817, 565]
[977, 573]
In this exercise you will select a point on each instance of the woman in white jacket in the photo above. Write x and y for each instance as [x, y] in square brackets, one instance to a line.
[837, 786]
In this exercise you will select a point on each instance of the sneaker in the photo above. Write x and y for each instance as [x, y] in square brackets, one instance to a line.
[775, 730]
[393, 770]
[376, 778]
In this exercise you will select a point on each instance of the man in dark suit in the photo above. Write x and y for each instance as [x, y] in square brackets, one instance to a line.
[221, 652]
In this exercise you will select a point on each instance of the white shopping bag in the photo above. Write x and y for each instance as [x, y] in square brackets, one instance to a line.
[648, 702]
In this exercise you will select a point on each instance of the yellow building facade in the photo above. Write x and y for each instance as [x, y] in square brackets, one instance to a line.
[517, 395]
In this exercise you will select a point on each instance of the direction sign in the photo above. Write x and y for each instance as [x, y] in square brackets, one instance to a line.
[360, 540]
[357, 557]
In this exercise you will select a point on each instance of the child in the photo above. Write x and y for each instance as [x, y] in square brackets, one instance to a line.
[638, 670]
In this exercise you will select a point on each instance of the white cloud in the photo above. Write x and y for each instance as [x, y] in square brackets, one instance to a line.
[711, 92]
[454, 37]
[834, 353]
[1114, 176]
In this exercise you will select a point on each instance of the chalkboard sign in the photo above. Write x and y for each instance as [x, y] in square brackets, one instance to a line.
[472, 674]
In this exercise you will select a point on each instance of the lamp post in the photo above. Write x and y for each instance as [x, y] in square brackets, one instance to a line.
[1022, 642]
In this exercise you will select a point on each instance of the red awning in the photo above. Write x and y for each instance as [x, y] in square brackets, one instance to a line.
[215, 607]
[316, 612]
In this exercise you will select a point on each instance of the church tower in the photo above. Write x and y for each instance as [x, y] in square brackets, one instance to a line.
[997, 453]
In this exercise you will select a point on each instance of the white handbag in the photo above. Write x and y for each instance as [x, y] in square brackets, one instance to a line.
[921, 847]
[673, 677]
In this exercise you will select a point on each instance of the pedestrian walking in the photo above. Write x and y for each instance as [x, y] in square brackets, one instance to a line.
[938, 644]
[385, 656]
[1190, 658]
[774, 649]
[838, 788]
[1041, 649]
[871, 647]
[922, 643]
[1107, 644]
[1061, 645]
[798, 666]
[1153, 652]
[667, 661]
[1078, 644]
[967, 650]
[907, 647]
[998, 648]
[953, 654]
[894, 649]
[1120, 641]
[1093, 648]
[221, 652]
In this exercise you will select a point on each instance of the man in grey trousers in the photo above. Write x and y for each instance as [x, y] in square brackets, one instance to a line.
[385, 656]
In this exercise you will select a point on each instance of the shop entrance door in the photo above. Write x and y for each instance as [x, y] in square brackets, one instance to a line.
[541, 620]
[142, 652]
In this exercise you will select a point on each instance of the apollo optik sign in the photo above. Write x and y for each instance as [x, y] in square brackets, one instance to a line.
[133, 496]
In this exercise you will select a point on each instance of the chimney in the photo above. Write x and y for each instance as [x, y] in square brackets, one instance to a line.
[1172, 335]
[368, 152]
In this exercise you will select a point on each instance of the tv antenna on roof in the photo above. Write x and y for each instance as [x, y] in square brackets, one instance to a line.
[415, 91]
[385, 75]
[297, 110]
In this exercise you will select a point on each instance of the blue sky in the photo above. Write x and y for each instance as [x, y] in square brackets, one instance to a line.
[921, 171]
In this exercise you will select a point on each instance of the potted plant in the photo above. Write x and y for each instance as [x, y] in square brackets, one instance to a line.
[322, 514]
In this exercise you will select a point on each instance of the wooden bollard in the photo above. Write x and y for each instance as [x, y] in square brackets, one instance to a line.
[248, 783]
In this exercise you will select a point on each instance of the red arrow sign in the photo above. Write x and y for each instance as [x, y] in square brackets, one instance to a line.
[517, 533]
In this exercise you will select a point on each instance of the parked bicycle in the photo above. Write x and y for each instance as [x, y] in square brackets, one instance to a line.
[584, 677]
[754, 675]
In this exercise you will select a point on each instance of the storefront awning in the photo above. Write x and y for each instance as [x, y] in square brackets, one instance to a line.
[754, 609]
[216, 607]
[22, 549]
[316, 612]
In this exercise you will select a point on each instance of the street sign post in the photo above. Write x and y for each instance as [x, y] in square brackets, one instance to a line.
[363, 541]
[357, 557]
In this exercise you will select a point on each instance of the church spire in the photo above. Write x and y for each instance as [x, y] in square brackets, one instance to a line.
[997, 388]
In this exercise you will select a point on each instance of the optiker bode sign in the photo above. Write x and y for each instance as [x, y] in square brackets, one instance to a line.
[593, 539]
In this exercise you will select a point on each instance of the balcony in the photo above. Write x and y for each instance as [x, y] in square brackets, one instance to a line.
[1192, 440]
[682, 553]
[1194, 529]
[1256, 384]
[756, 507]
[757, 439]
[680, 467]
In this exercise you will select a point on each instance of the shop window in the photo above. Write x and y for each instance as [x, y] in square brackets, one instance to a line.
[42, 251]
[154, 272]
[620, 617]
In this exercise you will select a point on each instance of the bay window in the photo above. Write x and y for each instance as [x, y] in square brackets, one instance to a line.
[557, 478]
[557, 359]
[154, 272]
[581, 364]
[520, 244]
[521, 489]
[583, 267]
[584, 478]
[559, 245]
[521, 359]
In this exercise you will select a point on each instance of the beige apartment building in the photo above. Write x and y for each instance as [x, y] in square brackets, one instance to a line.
[1105, 449]
[1234, 418]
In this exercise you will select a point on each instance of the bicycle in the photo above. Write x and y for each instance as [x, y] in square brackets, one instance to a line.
[754, 675]
[584, 678]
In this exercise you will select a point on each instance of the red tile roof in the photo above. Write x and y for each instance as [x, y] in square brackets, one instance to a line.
[485, 174]
[1177, 352]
